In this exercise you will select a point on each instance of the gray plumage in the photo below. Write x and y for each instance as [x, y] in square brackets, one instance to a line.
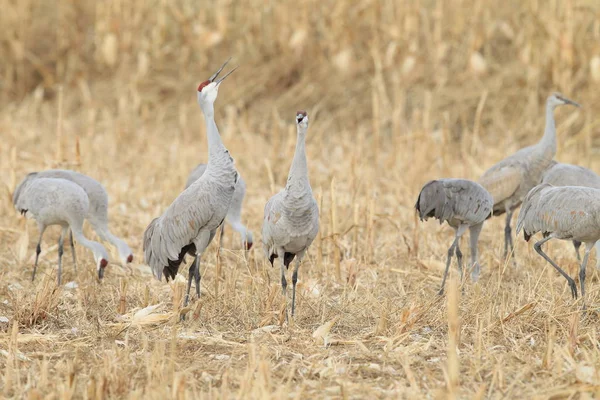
[57, 202]
[567, 213]
[234, 214]
[560, 174]
[189, 224]
[291, 217]
[98, 210]
[511, 179]
[462, 204]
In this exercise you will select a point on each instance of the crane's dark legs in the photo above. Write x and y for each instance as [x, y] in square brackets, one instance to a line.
[73, 250]
[577, 245]
[196, 266]
[38, 250]
[294, 280]
[588, 248]
[474, 232]
[538, 248]
[61, 250]
[284, 284]
[459, 232]
[459, 258]
[508, 242]
[222, 235]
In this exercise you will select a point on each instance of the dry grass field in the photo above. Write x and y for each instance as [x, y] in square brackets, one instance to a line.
[398, 92]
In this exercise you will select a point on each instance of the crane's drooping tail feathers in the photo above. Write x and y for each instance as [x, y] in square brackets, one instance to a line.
[433, 202]
[19, 189]
[148, 250]
[529, 204]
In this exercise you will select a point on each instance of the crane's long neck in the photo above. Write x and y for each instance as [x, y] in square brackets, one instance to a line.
[105, 234]
[218, 156]
[90, 244]
[548, 142]
[299, 170]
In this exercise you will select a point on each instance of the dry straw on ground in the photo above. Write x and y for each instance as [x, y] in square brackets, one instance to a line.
[398, 92]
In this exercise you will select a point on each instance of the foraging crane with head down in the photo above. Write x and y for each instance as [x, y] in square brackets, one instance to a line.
[463, 204]
[560, 174]
[234, 215]
[566, 213]
[57, 202]
[291, 219]
[511, 179]
[98, 209]
[189, 224]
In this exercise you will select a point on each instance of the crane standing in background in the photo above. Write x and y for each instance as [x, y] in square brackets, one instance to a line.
[511, 179]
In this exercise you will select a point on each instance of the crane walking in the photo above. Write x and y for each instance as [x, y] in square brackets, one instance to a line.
[234, 215]
[57, 202]
[560, 174]
[566, 213]
[98, 210]
[463, 204]
[511, 179]
[291, 219]
[189, 224]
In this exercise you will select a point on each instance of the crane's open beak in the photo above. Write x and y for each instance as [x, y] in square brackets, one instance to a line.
[216, 74]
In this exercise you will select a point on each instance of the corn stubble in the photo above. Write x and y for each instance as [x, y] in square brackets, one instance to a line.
[401, 92]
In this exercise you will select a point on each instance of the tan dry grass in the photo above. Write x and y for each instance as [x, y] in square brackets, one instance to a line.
[398, 92]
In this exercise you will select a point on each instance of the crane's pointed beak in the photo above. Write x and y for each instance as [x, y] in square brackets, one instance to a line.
[226, 75]
[572, 103]
[212, 78]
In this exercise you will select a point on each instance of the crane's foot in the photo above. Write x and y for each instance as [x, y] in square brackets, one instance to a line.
[441, 292]
[573, 288]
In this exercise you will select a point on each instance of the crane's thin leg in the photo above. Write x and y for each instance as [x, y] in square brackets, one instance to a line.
[197, 276]
[538, 248]
[588, 248]
[508, 242]
[189, 284]
[61, 250]
[474, 232]
[459, 258]
[38, 250]
[577, 245]
[222, 235]
[294, 280]
[283, 281]
[73, 250]
[459, 232]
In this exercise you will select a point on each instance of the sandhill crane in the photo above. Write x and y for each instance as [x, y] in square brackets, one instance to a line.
[234, 215]
[291, 219]
[510, 180]
[98, 210]
[560, 174]
[57, 202]
[567, 213]
[189, 224]
[463, 204]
